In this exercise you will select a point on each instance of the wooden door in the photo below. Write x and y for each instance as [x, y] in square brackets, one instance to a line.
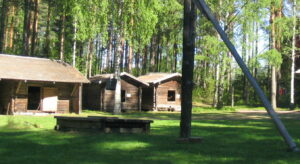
[50, 98]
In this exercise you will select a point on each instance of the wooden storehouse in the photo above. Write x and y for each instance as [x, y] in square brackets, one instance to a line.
[163, 93]
[29, 84]
[100, 93]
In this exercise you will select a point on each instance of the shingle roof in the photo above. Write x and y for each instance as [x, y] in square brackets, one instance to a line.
[38, 69]
[104, 77]
[158, 77]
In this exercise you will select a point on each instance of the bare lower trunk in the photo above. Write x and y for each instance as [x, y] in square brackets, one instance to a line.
[273, 88]
[217, 75]
[292, 94]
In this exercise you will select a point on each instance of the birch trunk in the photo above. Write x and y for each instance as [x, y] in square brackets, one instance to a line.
[120, 40]
[292, 94]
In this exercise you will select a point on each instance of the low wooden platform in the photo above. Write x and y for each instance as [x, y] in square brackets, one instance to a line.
[102, 124]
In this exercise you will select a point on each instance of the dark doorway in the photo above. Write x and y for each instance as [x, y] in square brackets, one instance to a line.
[34, 98]
[123, 95]
[147, 99]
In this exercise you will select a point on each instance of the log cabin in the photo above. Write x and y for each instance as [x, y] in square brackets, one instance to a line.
[30, 84]
[99, 94]
[163, 93]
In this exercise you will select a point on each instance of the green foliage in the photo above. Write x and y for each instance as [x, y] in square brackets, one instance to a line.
[273, 57]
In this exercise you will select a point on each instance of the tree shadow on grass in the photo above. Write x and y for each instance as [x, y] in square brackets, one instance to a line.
[225, 141]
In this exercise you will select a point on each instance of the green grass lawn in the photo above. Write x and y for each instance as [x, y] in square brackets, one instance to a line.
[31, 139]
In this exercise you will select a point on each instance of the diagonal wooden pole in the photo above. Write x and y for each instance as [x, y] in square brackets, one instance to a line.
[202, 6]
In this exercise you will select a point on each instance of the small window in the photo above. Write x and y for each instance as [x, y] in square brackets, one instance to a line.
[171, 95]
[123, 96]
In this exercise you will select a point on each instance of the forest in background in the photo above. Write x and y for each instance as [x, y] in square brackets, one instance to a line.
[147, 37]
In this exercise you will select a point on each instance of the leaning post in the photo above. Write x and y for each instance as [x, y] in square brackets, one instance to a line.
[202, 6]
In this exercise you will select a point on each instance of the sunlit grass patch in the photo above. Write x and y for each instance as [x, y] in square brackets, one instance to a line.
[225, 141]
[123, 145]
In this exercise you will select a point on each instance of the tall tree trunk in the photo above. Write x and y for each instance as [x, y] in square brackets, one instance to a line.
[145, 60]
[256, 53]
[292, 93]
[6, 36]
[109, 54]
[126, 56]
[137, 62]
[130, 57]
[47, 35]
[244, 57]
[2, 24]
[90, 57]
[122, 55]
[100, 57]
[87, 59]
[187, 68]
[12, 27]
[275, 13]
[26, 27]
[74, 43]
[35, 28]
[216, 92]
[131, 43]
[175, 57]
[62, 36]
[152, 54]
[157, 52]
[119, 44]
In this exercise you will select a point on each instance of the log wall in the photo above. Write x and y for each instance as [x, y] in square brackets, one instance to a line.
[162, 96]
[96, 97]
[14, 93]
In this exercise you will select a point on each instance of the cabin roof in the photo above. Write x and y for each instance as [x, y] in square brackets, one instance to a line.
[156, 78]
[102, 78]
[38, 69]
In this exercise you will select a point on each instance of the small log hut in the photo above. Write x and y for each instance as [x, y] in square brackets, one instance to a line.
[163, 93]
[30, 84]
[99, 94]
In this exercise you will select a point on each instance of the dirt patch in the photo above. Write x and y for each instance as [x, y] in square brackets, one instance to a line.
[246, 114]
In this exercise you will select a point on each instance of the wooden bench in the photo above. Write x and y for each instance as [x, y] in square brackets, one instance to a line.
[102, 124]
